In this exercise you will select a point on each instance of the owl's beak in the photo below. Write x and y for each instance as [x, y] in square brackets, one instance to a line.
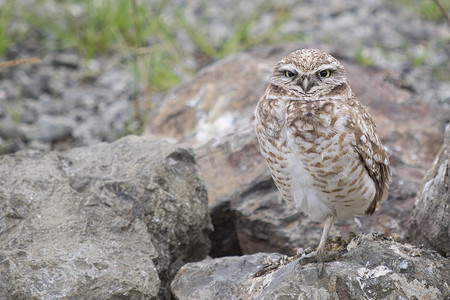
[305, 84]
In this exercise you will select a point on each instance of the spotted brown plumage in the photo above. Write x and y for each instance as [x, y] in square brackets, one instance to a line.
[320, 143]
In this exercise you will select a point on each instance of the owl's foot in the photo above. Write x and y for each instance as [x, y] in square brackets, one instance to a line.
[319, 257]
[306, 258]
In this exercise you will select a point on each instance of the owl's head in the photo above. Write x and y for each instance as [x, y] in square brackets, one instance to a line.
[309, 74]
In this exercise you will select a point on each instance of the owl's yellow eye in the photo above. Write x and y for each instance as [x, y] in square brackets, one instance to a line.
[289, 74]
[324, 73]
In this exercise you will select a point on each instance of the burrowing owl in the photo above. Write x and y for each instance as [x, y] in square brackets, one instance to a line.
[319, 142]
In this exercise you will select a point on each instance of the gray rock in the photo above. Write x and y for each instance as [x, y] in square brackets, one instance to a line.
[90, 130]
[51, 128]
[106, 125]
[7, 127]
[69, 60]
[373, 268]
[430, 221]
[220, 278]
[103, 222]
[116, 80]
[115, 116]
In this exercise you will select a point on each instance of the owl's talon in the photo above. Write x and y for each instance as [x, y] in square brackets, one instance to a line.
[320, 257]
[307, 258]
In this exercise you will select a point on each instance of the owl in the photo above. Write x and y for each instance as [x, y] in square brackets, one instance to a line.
[319, 142]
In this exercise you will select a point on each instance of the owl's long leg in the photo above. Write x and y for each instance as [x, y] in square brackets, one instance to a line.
[320, 252]
[323, 240]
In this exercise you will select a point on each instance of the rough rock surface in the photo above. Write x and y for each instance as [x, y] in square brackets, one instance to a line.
[214, 113]
[108, 221]
[226, 276]
[430, 221]
[373, 268]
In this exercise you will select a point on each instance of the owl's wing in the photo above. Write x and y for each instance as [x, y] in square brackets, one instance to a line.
[372, 155]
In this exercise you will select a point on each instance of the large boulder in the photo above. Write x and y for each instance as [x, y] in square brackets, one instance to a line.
[371, 267]
[430, 222]
[214, 113]
[108, 221]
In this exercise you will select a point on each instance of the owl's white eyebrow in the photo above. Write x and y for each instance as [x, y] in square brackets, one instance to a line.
[288, 67]
[327, 67]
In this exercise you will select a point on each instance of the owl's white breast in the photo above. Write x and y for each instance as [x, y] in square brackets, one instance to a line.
[306, 197]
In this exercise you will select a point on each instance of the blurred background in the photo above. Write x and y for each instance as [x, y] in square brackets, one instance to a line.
[75, 73]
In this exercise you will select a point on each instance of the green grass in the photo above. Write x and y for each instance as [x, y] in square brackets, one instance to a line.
[14, 110]
[428, 8]
[93, 27]
[420, 59]
[364, 59]
[6, 17]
